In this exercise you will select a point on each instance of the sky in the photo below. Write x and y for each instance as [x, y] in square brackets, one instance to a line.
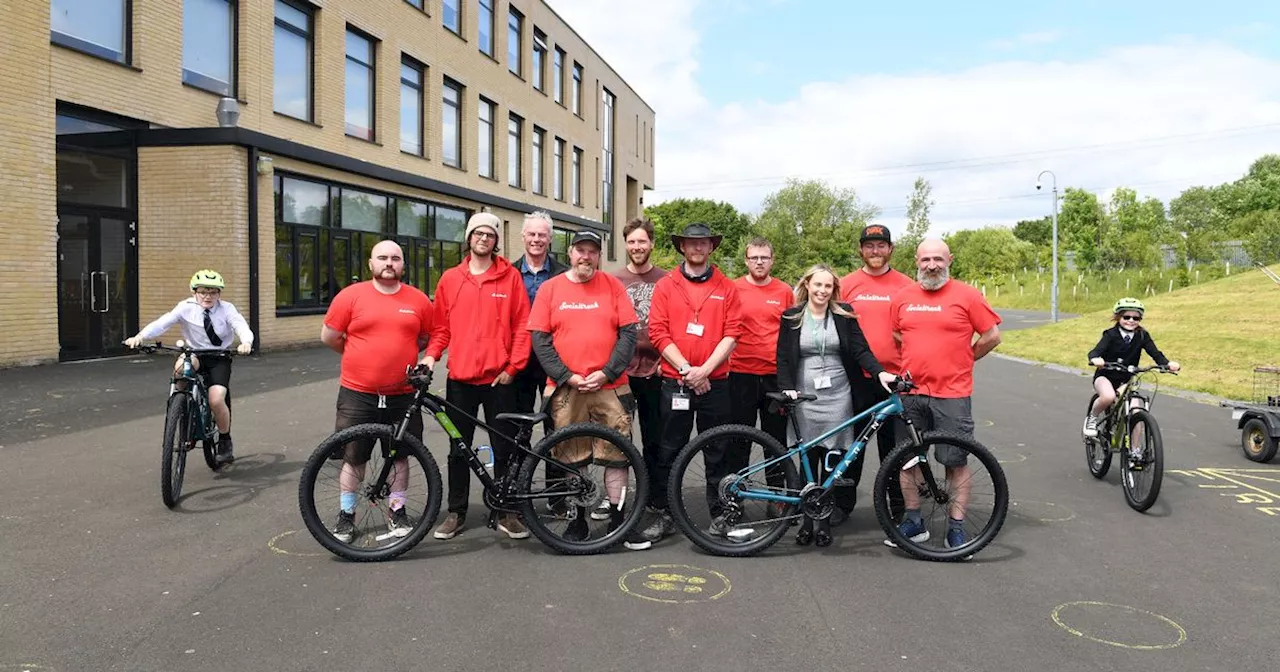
[977, 98]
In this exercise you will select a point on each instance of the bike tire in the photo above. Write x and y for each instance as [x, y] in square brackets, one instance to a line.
[632, 513]
[312, 517]
[898, 459]
[173, 451]
[1092, 445]
[680, 508]
[1141, 499]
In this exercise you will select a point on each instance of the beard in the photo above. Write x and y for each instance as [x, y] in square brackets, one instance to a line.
[389, 273]
[640, 258]
[875, 261]
[933, 280]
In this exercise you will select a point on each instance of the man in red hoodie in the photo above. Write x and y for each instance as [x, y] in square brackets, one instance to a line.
[482, 310]
[694, 322]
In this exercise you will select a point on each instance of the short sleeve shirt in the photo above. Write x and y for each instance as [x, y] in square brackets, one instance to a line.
[583, 319]
[382, 335]
[937, 330]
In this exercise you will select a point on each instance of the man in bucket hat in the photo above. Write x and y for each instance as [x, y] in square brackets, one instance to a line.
[694, 322]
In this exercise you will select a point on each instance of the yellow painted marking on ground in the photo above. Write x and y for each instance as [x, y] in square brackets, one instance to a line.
[674, 584]
[1182, 634]
[274, 546]
[1241, 479]
[1069, 514]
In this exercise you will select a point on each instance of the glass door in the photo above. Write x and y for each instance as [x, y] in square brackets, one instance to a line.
[97, 283]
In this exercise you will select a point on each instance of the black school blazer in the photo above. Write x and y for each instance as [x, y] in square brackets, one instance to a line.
[855, 354]
[1112, 348]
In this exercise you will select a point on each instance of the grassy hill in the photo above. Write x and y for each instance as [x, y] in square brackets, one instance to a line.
[1085, 292]
[1217, 330]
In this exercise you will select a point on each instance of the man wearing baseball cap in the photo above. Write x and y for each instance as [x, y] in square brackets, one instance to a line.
[870, 290]
[482, 313]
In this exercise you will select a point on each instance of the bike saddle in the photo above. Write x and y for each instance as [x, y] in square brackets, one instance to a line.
[522, 418]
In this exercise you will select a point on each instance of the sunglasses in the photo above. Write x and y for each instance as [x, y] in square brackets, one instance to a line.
[1135, 318]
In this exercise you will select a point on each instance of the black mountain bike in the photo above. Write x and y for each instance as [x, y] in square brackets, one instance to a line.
[402, 472]
[1130, 430]
[187, 420]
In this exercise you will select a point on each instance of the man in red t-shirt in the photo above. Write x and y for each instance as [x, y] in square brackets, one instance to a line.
[753, 367]
[870, 291]
[378, 327]
[584, 334]
[935, 321]
[694, 321]
[483, 314]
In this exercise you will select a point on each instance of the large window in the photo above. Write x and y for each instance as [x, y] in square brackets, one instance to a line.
[577, 90]
[515, 128]
[97, 27]
[539, 139]
[539, 60]
[557, 172]
[209, 45]
[325, 233]
[451, 124]
[575, 179]
[484, 25]
[484, 140]
[452, 15]
[411, 106]
[515, 35]
[557, 77]
[360, 87]
[606, 174]
[293, 35]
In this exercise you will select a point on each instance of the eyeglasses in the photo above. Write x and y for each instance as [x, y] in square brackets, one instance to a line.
[208, 292]
[485, 235]
[1135, 318]
[758, 259]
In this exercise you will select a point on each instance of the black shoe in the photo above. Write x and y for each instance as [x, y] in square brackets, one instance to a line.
[839, 516]
[577, 530]
[635, 541]
[823, 536]
[805, 536]
[345, 529]
[224, 452]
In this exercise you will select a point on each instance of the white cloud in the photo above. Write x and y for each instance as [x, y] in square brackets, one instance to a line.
[858, 131]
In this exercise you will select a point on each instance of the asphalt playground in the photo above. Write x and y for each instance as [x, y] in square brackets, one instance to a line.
[100, 575]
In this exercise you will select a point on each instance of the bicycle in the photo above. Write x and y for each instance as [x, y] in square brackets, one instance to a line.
[1142, 470]
[187, 419]
[569, 491]
[745, 516]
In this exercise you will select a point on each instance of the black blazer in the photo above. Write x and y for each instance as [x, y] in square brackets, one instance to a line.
[1112, 348]
[854, 352]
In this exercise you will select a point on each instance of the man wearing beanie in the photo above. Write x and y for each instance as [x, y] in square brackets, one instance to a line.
[482, 311]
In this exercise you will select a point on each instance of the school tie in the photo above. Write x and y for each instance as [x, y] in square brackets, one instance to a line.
[1127, 337]
[208, 330]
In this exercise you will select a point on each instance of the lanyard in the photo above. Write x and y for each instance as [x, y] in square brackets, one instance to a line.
[689, 299]
[819, 332]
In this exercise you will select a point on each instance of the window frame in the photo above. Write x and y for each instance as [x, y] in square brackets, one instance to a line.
[575, 177]
[486, 171]
[483, 7]
[557, 76]
[538, 61]
[457, 107]
[537, 161]
[199, 81]
[457, 12]
[372, 67]
[576, 85]
[557, 183]
[516, 50]
[515, 140]
[420, 88]
[309, 36]
[123, 57]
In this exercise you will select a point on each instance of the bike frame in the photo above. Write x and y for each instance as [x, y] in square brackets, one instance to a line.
[1120, 409]
[197, 395]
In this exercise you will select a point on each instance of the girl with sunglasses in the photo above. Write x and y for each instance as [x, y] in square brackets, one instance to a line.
[1122, 343]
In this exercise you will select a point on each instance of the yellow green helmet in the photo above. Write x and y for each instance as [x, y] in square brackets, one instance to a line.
[1128, 303]
[207, 278]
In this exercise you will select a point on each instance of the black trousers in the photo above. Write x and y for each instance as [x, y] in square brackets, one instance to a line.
[868, 392]
[529, 385]
[495, 399]
[706, 411]
[748, 403]
[648, 394]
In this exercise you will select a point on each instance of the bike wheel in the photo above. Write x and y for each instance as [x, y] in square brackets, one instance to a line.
[980, 497]
[377, 532]
[1096, 452]
[1142, 470]
[565, 508]
[705, 494]
[173, 451]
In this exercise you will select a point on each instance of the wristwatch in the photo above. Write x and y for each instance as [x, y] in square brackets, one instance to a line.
[685, 368]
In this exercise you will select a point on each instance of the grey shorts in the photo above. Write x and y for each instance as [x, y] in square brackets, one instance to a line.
[945, 415]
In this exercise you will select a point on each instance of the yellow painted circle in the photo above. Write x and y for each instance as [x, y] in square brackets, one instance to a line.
[25, 666]
[1017, 457]
[274, 545]
[988, 423]
[1182, 634]
[674, 584]
[1063, 513]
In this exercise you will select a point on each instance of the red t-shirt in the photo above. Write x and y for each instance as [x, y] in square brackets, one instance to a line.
[382, 335]
[583, 319]
[871, 296]
[937, 335]
[695, 316]
[757, 349]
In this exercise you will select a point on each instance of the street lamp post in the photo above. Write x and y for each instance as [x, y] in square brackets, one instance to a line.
[1053, 298]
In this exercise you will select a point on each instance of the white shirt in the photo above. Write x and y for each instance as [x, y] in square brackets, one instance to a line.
[227, 321]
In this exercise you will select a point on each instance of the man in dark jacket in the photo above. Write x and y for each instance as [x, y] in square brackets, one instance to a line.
[536, 267]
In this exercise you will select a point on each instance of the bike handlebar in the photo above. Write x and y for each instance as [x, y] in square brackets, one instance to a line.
[181, 346]
[1121, 366]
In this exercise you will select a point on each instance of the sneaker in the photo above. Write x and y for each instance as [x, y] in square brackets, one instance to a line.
[577, 530]
[603, 511]
[399, 525]
[225, 451]
[451, 527]
[957, 537]
[660, 525]
[635, 540]
[1090, 425]
[916, 532]
[838, 516]
[511, 525]
[558, 509]
[719, 527]
[345, 529]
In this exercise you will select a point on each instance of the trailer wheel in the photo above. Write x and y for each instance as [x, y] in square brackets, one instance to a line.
[1256, 441]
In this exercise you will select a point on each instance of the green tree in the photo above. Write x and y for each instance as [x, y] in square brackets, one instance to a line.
[990, 253]
[1198, 222]
[919, 203]
[670, 217]
[1038, 232]
[1130, 231]
[810, 221]
[1080, 225]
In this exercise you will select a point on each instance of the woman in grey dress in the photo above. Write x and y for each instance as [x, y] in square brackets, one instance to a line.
[820, 348]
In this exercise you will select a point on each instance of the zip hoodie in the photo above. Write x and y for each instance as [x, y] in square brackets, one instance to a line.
[678, 302]
[486, 318]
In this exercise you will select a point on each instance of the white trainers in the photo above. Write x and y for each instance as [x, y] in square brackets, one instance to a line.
[1091, 425]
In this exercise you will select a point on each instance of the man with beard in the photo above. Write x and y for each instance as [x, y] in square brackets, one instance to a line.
[935, 320]
[584, 333]
[694, 321]
[483, 314]
[639, 278]
[535, 267]
[870, 290]
[378, 327]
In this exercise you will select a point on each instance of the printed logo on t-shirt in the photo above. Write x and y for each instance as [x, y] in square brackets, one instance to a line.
[872, 297]
[716, 296]
[565, 305]
[498, 295]
[922, 308]
[773, 302]
[408, 310]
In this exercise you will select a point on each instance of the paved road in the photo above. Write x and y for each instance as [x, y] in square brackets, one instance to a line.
[100, 576]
